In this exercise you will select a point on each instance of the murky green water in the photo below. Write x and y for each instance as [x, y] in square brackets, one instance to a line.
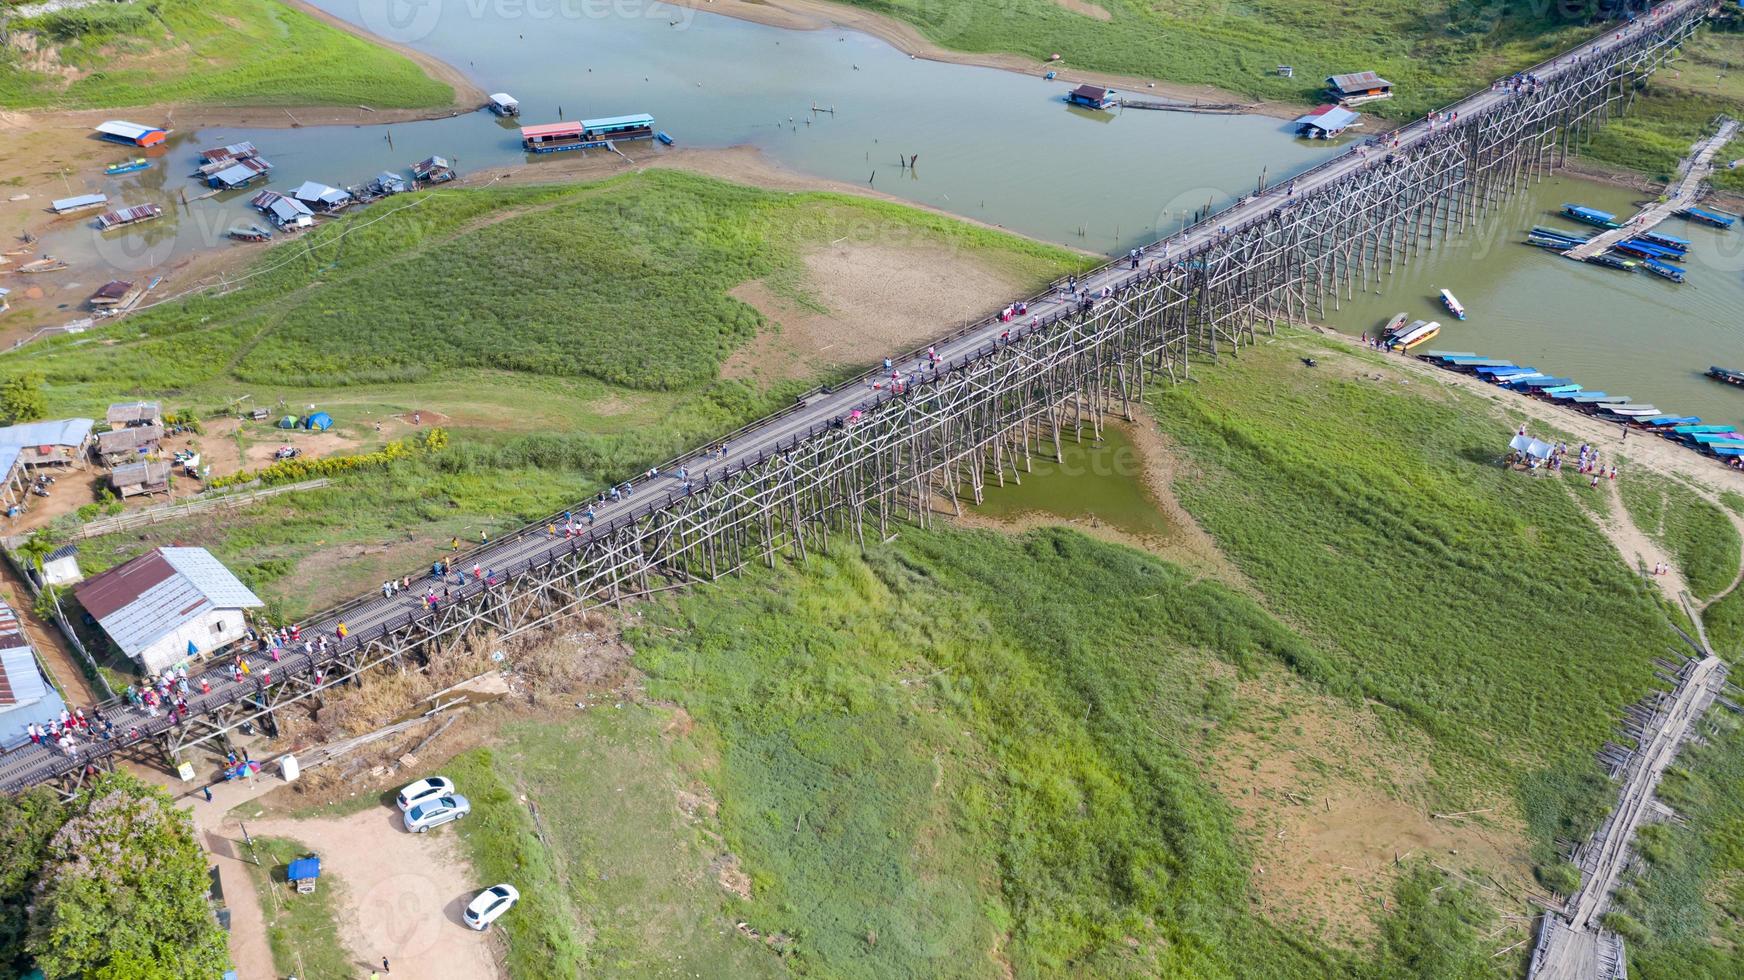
[1095, 481]
[1621, 333]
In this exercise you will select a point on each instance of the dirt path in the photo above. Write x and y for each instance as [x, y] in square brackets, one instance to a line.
[1637, 548]
[403, 893]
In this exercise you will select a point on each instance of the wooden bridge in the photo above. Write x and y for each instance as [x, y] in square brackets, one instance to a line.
[1692, 172]
[880, 449]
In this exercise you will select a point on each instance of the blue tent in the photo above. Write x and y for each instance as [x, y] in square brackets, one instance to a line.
[319, 422]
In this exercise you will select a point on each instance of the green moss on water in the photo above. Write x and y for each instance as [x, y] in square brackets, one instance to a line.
[1100, 480]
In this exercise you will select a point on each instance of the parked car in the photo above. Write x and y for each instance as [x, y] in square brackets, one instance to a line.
[489, 905]
[427, 788]
[434, 813]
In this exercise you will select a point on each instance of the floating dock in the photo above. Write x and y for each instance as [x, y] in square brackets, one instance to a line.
[1692, 172]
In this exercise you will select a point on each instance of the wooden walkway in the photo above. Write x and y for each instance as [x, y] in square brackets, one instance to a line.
[1573, 945]
[1693, 172]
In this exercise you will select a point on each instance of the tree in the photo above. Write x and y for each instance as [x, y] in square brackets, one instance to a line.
[21, 398]
[123, 883]
[27, 821]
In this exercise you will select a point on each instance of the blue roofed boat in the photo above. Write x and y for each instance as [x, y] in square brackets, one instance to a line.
[1728, 451]
[1504, 369]
[1590, 216]
[1447, 355]
[1588, 397]
[1567, 389]
[1544, 231]
[1669, 241]
[1707, 438]
[1698, 429]
[1727, 375]
[1647, 250]
[1676, 420]
[1709, 216]
[1473, 363]
[1545, 382]
[1663, 270]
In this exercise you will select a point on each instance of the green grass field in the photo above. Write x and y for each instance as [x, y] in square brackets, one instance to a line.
[1435, 52]
[1679, 106]
[254, 52]
[597, 319]
[1699, 537]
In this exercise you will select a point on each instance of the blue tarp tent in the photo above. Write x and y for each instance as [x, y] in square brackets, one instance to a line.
[319, 422]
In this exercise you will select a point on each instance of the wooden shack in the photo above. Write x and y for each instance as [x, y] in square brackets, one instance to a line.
[118, 447]
[116, 292]
[124, 414]
[140, 478]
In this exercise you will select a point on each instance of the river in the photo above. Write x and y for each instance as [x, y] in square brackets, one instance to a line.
[992, 145]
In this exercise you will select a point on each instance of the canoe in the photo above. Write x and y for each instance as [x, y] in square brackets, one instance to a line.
[1635, 411]
[127, 166]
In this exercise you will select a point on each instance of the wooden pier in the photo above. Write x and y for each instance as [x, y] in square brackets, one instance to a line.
[1692, 173]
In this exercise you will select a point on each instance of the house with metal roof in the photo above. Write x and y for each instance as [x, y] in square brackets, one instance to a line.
[12, 487]
[240, 173]
[1091, 97]
[81, 202]
[1325, 122]
[56, 442]
[26, 696]
[1359, 86]
[131, 133]
[321, 197]
[168, 605]
[285, 212]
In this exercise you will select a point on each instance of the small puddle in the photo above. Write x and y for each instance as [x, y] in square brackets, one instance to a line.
[1102, 481]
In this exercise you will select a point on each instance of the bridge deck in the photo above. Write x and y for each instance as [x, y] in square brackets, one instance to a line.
[32, 764]
[1695, 168]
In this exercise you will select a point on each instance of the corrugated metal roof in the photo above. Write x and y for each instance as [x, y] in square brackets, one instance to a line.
[64, 551]
[313, 190]
[125, 130]
[151, 471]
[80, 201]
[8, 459]
[1329, 117]
[141, 601]
[639, 119]
[1358, 81]
[241, 173]
[288, 209]
[503, 98]
[551, 129]
[60, 432]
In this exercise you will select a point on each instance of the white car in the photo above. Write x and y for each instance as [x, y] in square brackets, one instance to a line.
[490, 904]
[434, 813]
[427, 788]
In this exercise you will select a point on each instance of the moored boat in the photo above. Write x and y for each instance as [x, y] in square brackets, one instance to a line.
[1663, 270]
[1590, 216]
[1709, 216]
[127, 166]
[664, 137]
[1610, 261]
[1395, 324]
[1416, 336]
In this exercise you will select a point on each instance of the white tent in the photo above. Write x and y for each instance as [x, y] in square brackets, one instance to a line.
[1528, 446]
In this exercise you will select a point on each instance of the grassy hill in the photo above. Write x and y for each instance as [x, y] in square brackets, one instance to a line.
[217, 52]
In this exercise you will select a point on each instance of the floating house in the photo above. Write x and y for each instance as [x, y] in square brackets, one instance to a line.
[168, 605]
[1359, 86]
[133, 134]
[57, 442]
[387, 183]
[321, 197]
[83, 202]
[146, 477]
[118, 447]
[284, 212]
[1325, 122]
[232, 174]
[235, 151]
[433, 170]
[116, 292]
[504, 104]
[1091, 97]
[557, 137]
[128, 216]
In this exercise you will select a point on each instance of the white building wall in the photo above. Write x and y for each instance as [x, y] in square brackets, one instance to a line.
[62, 571]
[173, 648]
